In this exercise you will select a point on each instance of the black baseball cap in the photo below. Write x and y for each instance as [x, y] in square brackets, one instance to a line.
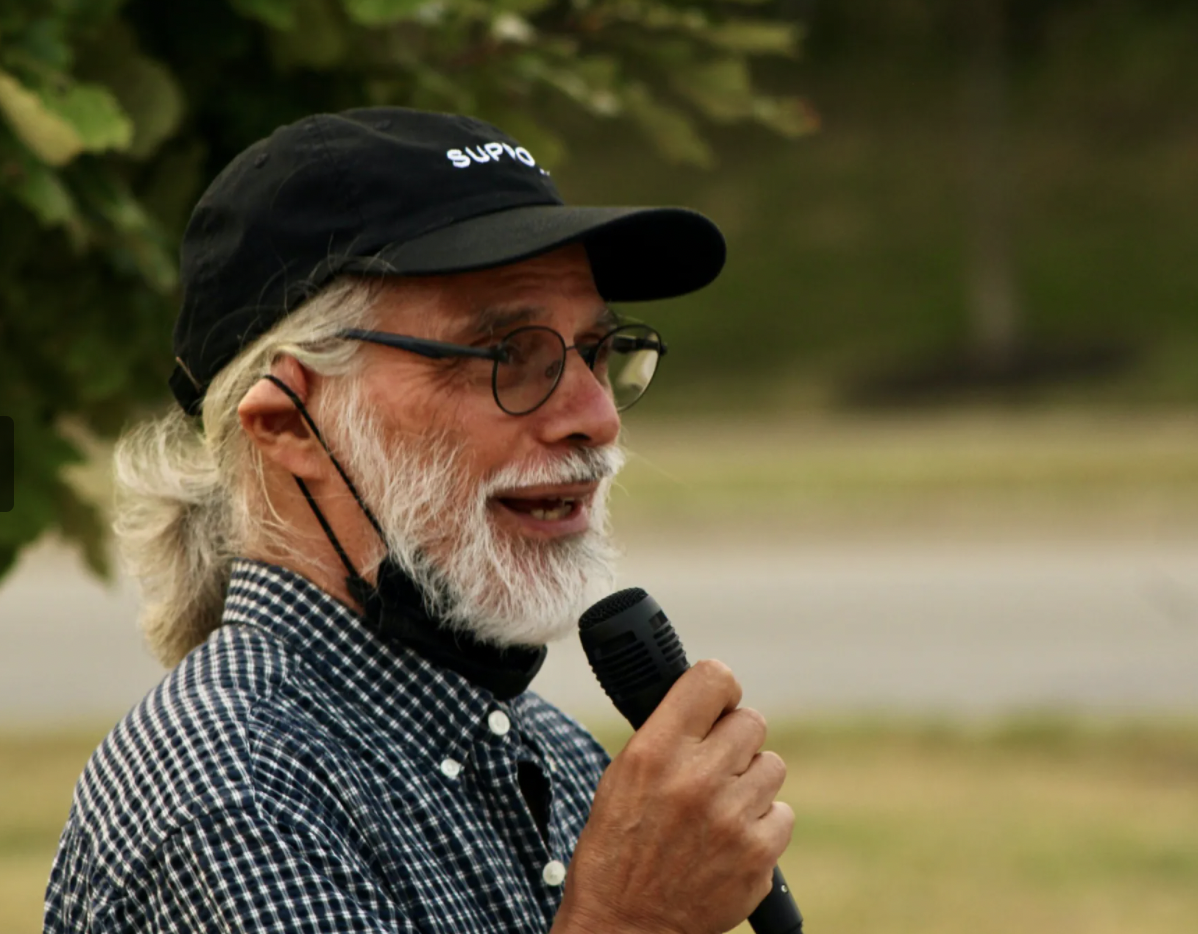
[396, 192]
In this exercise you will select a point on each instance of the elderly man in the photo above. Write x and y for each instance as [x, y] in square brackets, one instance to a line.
[381, 496]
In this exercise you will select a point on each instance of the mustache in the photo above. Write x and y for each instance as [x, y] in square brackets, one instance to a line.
[582, 465]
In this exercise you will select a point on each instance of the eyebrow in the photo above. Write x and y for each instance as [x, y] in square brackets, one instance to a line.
[490, 321]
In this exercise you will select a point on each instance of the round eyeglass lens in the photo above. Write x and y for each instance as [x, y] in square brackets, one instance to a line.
[530, 370]
[626, 361]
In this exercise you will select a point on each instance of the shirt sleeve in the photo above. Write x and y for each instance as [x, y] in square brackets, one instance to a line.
[68, 900]
[231, 871]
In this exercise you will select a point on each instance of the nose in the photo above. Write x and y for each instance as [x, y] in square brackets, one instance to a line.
[581, 410]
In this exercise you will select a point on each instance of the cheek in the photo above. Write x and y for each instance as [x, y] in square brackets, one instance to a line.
[489, 440]
[490, 447]
[426, 396]
[408, 401]
[453, 405]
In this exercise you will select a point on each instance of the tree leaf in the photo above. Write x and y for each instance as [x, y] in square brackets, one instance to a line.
[144, 245]
[521, 7]
[51, 138]
[149, 94]
[278, 14]
[173, 183]
[756, 37]
[671, 131]
[723, 90]
[546, 147]
[95, 115]
[384, 12]
[80, 522]
[318, 40]
[511, 27]
[41, 44]
[575, 83]
[41, 453]
[41, 190]
[790, 116]
[663, 16]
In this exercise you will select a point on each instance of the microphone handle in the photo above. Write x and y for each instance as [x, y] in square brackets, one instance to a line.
[778, 912]
[654, 639]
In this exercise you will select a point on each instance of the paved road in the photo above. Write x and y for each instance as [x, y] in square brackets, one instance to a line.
[902, 628]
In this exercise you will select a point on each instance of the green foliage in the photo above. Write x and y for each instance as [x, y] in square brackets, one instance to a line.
[847, 253]
[115, 113]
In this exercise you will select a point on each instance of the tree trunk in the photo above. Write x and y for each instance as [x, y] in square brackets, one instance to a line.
[993, 301]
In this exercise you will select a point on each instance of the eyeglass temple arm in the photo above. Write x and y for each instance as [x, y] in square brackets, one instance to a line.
[437, 350]
[624, 343]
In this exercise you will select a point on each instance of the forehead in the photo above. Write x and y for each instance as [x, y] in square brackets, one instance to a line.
[556, 288]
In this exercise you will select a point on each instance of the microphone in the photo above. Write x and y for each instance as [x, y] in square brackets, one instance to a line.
[637, 656]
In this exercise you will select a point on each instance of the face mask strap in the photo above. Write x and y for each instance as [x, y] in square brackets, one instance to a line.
[358, 586]
[394, 607]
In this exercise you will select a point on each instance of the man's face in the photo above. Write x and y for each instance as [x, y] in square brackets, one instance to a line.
[502, 517]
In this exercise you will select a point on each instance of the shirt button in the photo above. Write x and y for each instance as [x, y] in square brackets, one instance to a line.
[554, 872]
[499, 723]
[451, 768]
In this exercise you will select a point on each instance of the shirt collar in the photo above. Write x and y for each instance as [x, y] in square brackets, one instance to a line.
[433, 708]
[395, 609]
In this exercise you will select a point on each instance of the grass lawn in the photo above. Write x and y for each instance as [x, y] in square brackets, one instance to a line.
[974, 472]
[1037, 824]
[1039, 828]
[967, 472]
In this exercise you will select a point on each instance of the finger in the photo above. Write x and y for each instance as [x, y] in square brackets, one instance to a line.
[774, 830]
[759, 785]
[779, 824]
[695, 702]
[736, 738]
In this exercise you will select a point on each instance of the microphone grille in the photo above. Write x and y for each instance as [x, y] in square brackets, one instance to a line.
[609, 606]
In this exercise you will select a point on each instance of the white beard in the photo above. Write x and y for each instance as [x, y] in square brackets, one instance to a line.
[502, 589]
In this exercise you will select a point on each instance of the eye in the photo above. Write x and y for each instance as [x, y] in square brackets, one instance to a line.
[512, 353]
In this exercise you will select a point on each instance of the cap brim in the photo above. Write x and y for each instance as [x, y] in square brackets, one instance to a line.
[636, 254]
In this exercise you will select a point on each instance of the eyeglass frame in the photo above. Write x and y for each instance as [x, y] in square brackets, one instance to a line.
[441, 350]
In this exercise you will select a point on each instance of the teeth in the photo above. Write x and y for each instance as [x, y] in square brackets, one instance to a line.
[552, 515]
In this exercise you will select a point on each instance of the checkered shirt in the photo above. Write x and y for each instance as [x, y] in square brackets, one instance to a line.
[294, 774]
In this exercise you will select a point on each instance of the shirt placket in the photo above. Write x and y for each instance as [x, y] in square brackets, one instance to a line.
[543, 860]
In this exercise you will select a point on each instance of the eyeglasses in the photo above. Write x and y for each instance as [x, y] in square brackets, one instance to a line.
[528, 363]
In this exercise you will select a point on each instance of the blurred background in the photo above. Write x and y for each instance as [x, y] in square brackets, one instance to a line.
[922, 466]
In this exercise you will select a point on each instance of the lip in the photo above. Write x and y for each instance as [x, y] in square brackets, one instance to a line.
[575, 522]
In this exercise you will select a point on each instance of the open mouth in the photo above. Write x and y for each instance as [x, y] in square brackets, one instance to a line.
[548, 510]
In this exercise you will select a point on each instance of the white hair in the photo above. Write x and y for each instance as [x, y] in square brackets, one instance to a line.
[189, 494]
[438, 527]
[191, 498]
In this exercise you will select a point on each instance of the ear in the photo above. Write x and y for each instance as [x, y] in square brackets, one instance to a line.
[275, 426]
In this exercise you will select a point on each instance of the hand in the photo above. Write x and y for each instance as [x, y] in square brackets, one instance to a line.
[684, 831]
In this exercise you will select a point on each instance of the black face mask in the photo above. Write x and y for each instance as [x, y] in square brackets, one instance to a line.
[395, 609]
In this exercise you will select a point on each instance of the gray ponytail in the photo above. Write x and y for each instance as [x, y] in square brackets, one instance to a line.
[186, 492]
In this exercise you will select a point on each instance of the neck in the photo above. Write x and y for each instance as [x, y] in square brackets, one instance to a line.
[394, 611]
[305, 548]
